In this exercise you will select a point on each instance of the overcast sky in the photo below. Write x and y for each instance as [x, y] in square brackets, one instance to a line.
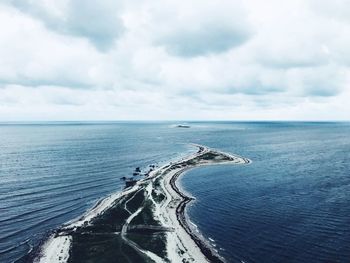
[171, 59]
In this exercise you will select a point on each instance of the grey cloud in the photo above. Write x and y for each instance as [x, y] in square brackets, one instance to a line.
[98, 21]
[38, 82]
[324, 81]
[204, 40]
[321, 88]
[285, 63]
[65, 101]
[254, 88]
[322, 91]
[286, 54]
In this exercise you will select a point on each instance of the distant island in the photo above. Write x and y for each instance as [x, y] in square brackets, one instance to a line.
[146, 222]
[183, 126]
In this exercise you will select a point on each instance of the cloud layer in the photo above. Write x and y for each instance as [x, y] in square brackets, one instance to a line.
[167, 59]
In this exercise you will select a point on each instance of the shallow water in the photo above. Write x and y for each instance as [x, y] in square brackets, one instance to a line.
[292, 204]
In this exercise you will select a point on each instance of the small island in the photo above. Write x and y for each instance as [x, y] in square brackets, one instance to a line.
[146, 222]
[183, 126]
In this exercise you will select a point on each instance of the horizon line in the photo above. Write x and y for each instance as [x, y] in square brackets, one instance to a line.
[156, 120]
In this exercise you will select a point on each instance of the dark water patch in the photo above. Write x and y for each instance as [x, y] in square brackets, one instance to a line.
[289, 205]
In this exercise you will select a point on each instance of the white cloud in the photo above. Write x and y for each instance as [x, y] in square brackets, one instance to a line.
[33, 56]
[174, 60]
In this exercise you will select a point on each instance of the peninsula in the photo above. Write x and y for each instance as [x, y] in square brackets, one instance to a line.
[146, 222]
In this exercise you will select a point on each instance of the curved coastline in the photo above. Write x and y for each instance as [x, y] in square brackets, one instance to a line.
[183, 242]
[182, 217]
[205, 247]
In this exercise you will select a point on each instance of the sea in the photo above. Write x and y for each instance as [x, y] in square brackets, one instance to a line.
[291, 204]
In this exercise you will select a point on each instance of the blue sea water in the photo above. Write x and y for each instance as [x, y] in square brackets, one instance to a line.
[292, 204]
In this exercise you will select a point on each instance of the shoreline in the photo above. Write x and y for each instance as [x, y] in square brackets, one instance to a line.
[205, 247]
[182, 244]
[183, 219]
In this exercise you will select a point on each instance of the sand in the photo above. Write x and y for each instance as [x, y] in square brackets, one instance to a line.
[185, 243]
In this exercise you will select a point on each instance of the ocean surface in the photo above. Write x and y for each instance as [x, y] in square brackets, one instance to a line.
[292, 204]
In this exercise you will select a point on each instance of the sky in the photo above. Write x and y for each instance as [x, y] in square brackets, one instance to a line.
[174, 60]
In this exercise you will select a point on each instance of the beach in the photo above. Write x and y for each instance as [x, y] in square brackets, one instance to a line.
[158, 205]
[291, 202]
